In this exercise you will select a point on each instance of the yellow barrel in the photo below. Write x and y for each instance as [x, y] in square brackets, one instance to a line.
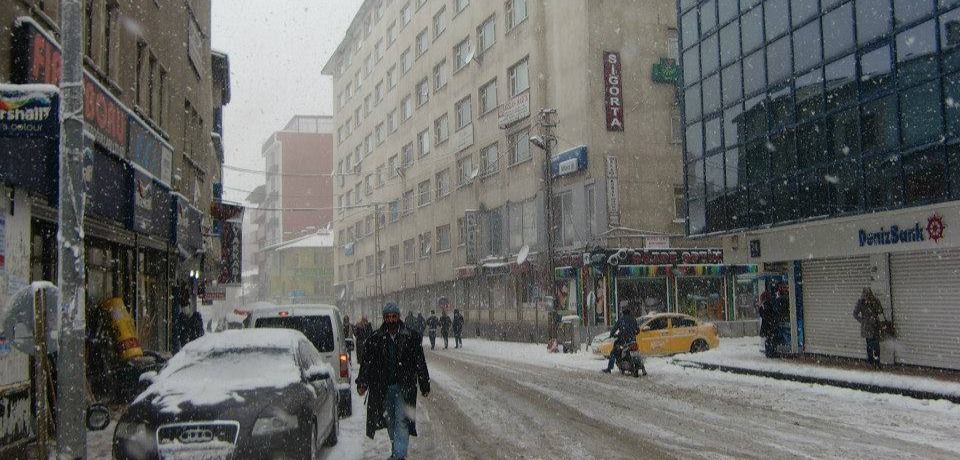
[124, 330]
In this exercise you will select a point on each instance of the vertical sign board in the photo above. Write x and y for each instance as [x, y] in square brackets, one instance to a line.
[470, 221]
[613, 90]
[228, 218]
[613, 191]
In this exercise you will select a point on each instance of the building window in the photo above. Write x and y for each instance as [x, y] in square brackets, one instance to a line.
[439, 22]
[424, 193]
[394, 256]
[392, 166]
[406, 15]
[464, 109]
[519, 78]
[423, 143]
[441, 128]
[392, 77]
[489, 160]
[394, 208]
[409, 251]
[406, 156]
[406, 108]
[486, 34]
[461, 232]
[391, 33]
[461, 4]
[463, 54]
[407, 202]
[406, 61]
[443, 183]
[423, 43]
[426, 240]
[465, 170]
[379, 174]
[519, 146]
[440, 75]
[378, 93]
[423, 92]
[488, 97]
[443, 238]
[378, 50]
[516, 12]
[380, 133]
[392, 121]
[495, 231]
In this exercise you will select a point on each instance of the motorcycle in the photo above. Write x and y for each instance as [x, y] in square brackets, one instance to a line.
[630, 360]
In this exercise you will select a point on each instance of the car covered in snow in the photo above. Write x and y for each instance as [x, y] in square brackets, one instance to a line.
[234, 394]
[323, 326]
[666, 334]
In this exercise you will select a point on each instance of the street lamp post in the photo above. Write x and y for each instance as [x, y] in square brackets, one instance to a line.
[546, 141]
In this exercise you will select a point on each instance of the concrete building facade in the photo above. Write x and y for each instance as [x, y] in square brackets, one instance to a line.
[439, 189]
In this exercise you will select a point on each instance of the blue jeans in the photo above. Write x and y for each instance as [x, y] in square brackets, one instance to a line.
[614, 354]
[397, 422]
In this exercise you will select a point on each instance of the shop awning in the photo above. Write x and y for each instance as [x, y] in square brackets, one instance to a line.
[646, 271]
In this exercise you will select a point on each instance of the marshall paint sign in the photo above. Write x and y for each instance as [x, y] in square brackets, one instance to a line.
[103, 113]
[30, 137]
[29, 111]
[613, 90]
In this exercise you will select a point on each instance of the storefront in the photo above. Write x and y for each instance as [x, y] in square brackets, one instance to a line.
[598, 285]
[909, 258]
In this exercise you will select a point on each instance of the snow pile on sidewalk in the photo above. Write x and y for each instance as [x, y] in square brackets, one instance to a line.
[745, 353]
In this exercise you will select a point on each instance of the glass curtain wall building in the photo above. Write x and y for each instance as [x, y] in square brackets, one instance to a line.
[802, 109]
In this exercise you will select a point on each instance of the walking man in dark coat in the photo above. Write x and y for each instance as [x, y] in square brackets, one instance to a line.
[869, 314]
[445, 329]
[392, 368]
[457, 329]
[362, 332]
[421, 324]
[432, 323]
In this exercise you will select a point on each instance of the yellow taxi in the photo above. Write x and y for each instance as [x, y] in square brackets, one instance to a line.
[666, 334]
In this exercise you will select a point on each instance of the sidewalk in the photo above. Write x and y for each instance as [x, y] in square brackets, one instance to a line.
[743, 356]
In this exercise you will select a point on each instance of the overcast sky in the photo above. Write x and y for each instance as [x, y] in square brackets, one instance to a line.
[277, 49]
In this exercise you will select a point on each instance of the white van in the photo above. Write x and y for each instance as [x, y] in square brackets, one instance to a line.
[323, 326]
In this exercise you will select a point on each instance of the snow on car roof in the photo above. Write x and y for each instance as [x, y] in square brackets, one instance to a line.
[294, 310]
[246, 339]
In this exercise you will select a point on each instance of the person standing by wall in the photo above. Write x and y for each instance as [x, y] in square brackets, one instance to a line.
[869, 313]
[391, 370]
[457, 328]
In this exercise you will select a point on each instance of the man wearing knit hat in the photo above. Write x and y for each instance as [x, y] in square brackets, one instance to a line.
[391, 369]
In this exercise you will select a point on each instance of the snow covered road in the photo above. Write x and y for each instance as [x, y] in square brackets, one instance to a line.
[507, 400]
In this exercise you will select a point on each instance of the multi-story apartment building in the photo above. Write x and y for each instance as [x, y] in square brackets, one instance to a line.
[822, 143]
[152, 99]
[439, 189]
[297, 198]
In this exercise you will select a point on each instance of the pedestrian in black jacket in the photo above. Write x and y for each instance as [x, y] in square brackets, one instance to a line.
[432, 324]
[445, 329]
[392, 368]
[421, 325]
[362, 332]
[457, 328]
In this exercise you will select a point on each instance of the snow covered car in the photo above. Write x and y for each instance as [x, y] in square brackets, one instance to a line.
[667, 334]
[252, 393]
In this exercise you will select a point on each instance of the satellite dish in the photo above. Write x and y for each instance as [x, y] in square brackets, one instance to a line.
[474, 173]
[471, 53]
[343, 292]
[523, 254]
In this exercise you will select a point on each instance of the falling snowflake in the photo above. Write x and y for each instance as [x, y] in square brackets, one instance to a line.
[831, 179]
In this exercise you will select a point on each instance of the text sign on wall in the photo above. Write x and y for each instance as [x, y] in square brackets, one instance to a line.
[471, 221]
[613, 90]
[613, 191]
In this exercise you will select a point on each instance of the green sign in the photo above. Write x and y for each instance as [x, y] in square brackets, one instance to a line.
[666, 71]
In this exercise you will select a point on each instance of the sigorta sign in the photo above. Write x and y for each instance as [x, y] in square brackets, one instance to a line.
[613, 90]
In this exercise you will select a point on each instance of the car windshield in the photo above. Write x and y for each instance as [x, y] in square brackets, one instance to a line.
[457, 201]
[318, 329]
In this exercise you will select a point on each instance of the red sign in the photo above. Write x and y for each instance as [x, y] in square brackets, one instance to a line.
[613, 90]
[100, 109]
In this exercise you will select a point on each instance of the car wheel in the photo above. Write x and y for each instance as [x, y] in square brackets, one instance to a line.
[334, 434]
[698, 346]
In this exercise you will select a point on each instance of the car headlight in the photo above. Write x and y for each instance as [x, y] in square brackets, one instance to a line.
[274, 420]
[135, 438]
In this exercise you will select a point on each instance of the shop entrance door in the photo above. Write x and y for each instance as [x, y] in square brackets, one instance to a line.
[831, 288]
[926, 307]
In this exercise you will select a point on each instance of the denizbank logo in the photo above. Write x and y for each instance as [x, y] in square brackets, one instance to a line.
[933, 230]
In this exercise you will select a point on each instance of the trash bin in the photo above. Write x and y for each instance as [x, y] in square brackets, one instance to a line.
[569, 333]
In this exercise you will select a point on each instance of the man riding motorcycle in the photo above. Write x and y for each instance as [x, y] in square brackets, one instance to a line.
[625, 330]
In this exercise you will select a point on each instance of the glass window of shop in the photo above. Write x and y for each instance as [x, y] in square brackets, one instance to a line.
[702, 297]
[840, 108]
[642, 295]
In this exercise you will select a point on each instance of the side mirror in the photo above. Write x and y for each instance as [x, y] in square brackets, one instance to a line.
[148, 377]
[98, 417]
[317, 374]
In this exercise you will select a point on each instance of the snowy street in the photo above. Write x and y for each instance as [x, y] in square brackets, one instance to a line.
[509, 400]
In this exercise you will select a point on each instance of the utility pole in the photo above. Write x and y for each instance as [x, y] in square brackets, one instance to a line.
[71, 371]
[546, 142]
[376, 252]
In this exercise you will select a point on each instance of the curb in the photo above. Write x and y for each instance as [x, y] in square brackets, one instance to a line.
[916, 394]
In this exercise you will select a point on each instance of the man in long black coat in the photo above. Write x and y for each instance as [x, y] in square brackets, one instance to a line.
[392, 367]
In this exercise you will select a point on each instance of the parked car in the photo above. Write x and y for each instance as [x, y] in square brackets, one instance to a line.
[234, 394]
[323, 325]
[666, 334]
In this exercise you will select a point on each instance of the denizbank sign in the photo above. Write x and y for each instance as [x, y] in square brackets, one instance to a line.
[932, 230]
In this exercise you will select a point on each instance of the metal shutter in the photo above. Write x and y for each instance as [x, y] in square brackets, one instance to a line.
[926, 306]
[831, 289]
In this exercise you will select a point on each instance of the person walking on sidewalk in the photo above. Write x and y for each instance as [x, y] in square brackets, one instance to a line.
[432, 323]
[445, 329]
[457, 329]
[392, 369]
[421, 325]
[362, 332]
[869, 314]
